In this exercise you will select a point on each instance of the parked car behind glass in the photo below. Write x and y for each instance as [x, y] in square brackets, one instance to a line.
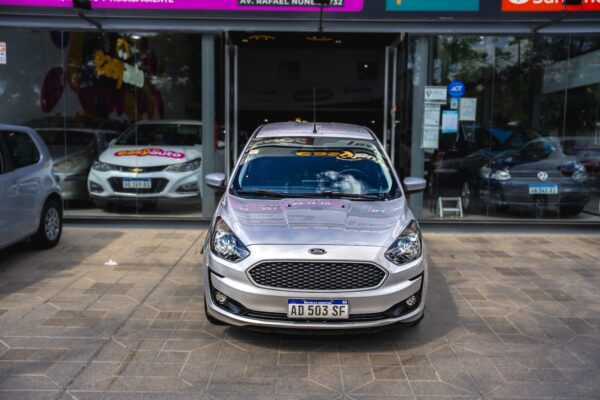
[30, 199]
[539, 175]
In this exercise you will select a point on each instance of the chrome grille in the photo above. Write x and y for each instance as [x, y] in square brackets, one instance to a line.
[295, 275]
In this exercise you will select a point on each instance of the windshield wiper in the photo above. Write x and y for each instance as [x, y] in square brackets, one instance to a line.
[264, 193]
[351, 196]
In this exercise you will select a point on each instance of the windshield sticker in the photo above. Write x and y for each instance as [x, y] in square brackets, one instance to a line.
[340, 155]
[150, 153]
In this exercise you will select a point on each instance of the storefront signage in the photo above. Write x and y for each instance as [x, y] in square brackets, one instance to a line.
[432, 5]
[468, 109]
[449, 121]
[436, 94]
[150, 153]
[547, 6]
[456, 89]
[117, 69]
[229, 5]
[2, 53]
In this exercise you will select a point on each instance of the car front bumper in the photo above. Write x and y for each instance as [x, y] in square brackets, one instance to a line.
[267, 307]
[165, 185]
[515, 192]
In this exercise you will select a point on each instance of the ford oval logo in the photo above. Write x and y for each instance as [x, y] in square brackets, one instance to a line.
[317, 252]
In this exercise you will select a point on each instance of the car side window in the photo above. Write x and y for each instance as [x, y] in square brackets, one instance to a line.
[22, 150]
[2, 162]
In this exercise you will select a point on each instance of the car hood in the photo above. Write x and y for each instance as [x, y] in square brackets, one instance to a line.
[150, 156]
[315, 221]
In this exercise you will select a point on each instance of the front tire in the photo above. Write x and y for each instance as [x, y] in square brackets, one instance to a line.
[50, 229]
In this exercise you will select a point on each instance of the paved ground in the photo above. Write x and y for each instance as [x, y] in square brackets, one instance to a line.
[509, 316]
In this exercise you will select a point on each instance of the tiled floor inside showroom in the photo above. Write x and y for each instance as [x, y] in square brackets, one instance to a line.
[508, 316]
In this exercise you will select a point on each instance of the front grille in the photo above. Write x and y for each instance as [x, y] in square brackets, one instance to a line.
[158, 185]
[283, 317]
[317, 275]
[140, 170]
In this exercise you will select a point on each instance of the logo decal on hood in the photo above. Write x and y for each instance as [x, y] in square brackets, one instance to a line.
[150, 153]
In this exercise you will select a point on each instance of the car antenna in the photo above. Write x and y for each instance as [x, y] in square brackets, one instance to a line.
[315, 110]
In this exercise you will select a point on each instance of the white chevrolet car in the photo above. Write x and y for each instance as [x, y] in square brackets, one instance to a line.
[152, 160]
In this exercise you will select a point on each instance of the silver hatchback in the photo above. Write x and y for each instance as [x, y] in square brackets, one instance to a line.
[314, 232]
[30, 199]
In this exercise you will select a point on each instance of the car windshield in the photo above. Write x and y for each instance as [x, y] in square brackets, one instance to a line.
[59, 137]
[162, 135]
[315, 167]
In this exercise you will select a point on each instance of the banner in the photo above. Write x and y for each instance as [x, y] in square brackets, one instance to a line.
[217, 5]
[547, 6]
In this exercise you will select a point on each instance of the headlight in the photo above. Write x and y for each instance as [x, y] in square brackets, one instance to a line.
[407, 247]
[580, 175]
[102, 167]
[68, 164]
[500, 175]
[485, 172]
[226, 245]
[185, 167]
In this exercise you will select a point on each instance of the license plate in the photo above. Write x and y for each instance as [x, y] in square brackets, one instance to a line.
[137, 184]
[318, 309]
[543, 189]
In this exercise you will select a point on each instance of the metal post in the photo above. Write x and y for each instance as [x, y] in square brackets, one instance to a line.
[235, 103]
[420, 80]
[394, 107]
[227, 98]
[386, 98]
[208, 120]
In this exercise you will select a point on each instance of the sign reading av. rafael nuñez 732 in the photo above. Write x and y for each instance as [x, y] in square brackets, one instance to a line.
[234, 5]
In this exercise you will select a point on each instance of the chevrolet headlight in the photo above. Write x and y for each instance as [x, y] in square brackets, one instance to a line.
[102, 167]
[408, 247]
[185, 167]
[68, 164]
[226, 245]
[501, 175]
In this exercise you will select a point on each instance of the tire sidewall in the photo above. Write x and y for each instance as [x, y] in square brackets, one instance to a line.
[41, 239]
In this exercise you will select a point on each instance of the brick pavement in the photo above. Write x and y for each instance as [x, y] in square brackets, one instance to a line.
[508, 316]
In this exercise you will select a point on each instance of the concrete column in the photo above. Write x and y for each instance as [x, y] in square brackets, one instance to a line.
[208, 121]
[420, 80]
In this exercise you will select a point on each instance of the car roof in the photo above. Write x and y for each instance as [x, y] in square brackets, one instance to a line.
[324, 129]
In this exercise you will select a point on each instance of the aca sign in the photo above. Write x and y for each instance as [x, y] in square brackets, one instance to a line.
[456, 89]
[547, 5]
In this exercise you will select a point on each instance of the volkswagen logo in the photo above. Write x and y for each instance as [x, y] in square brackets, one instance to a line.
[543, 176]
[317, 252]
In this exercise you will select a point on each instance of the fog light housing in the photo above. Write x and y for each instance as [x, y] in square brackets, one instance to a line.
[220, 297]
[95, 188]
[412, 301]
[188, 188]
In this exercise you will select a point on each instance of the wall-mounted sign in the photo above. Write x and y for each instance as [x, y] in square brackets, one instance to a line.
[228, 5]
[2, 53]
[432, 5]
[547, 6]
[436, 94]
[456, 89]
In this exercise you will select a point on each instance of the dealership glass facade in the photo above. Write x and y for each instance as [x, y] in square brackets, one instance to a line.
[521, 142]
[81, 91]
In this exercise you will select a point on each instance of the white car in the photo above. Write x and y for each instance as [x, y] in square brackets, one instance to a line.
[151, 160]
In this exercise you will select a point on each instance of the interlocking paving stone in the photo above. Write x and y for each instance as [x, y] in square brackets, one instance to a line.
[508, 316]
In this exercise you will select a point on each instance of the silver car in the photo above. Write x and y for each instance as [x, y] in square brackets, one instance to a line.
[30, 200]
[314, 232]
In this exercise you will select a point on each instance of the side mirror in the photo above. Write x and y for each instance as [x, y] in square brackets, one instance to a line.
[414, 185]
[216, 180]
